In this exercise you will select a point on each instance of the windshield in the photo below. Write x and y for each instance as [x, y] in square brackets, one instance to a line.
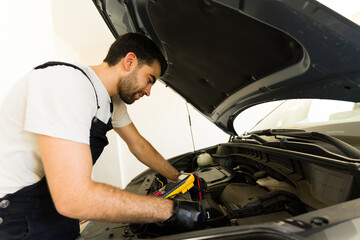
[326, 116]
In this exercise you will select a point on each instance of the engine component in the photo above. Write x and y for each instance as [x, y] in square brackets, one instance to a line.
[243, 200]
[216, 179]
[272, 185]
[214, 175]
[216, 215]
[239, 199]
[204, 160]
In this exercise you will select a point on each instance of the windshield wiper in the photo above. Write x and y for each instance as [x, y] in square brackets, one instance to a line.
[344, 147]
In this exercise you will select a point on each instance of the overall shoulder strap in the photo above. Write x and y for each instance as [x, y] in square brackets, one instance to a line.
[49, 64]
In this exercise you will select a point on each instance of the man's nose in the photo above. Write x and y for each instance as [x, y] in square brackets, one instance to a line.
[147, 90]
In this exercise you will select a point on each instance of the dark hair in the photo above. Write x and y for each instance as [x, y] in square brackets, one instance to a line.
[144, 48]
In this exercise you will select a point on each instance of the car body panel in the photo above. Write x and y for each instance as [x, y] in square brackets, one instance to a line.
[283, 50]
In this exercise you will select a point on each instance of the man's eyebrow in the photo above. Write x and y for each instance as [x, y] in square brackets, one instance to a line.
[153, 78]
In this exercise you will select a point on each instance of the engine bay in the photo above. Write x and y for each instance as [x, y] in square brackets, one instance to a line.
[249, 184]
[237, 196]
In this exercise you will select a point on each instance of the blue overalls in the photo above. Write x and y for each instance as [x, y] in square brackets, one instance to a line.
[30, 212]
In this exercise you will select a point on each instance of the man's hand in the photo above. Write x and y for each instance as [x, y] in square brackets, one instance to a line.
[188, 215]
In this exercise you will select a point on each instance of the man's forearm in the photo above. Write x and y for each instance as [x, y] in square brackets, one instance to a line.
[145, 152]
[148, 155]
[102, 202]
[68, 166]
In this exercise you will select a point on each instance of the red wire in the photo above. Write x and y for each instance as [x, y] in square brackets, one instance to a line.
[84, 221]
[198, 181]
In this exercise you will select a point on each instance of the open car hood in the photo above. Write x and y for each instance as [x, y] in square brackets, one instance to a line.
[225, 56]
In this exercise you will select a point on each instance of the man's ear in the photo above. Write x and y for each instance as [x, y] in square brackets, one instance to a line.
[130, 61]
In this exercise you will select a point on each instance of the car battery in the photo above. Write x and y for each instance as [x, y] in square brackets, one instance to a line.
[216, 178]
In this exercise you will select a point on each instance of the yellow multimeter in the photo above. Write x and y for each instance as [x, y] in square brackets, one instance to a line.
[184, 182]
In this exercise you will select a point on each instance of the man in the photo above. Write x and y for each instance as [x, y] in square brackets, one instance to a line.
[53, 130]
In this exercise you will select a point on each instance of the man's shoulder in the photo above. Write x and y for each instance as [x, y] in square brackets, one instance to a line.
[61, 75]
[59, 68]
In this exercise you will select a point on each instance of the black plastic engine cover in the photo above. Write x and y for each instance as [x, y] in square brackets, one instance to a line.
[242, 199]
[216, 215]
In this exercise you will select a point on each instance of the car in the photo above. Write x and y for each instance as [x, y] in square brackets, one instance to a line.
[282, 79]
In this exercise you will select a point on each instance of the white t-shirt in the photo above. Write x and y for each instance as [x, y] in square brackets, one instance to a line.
[58, 101]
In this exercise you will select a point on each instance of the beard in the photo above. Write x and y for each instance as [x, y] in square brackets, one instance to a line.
[127, 87]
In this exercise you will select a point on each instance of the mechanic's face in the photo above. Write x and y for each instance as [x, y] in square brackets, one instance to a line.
[138, 82]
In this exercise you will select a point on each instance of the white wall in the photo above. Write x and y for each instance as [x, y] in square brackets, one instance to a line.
[25, 39]
[348, 8]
